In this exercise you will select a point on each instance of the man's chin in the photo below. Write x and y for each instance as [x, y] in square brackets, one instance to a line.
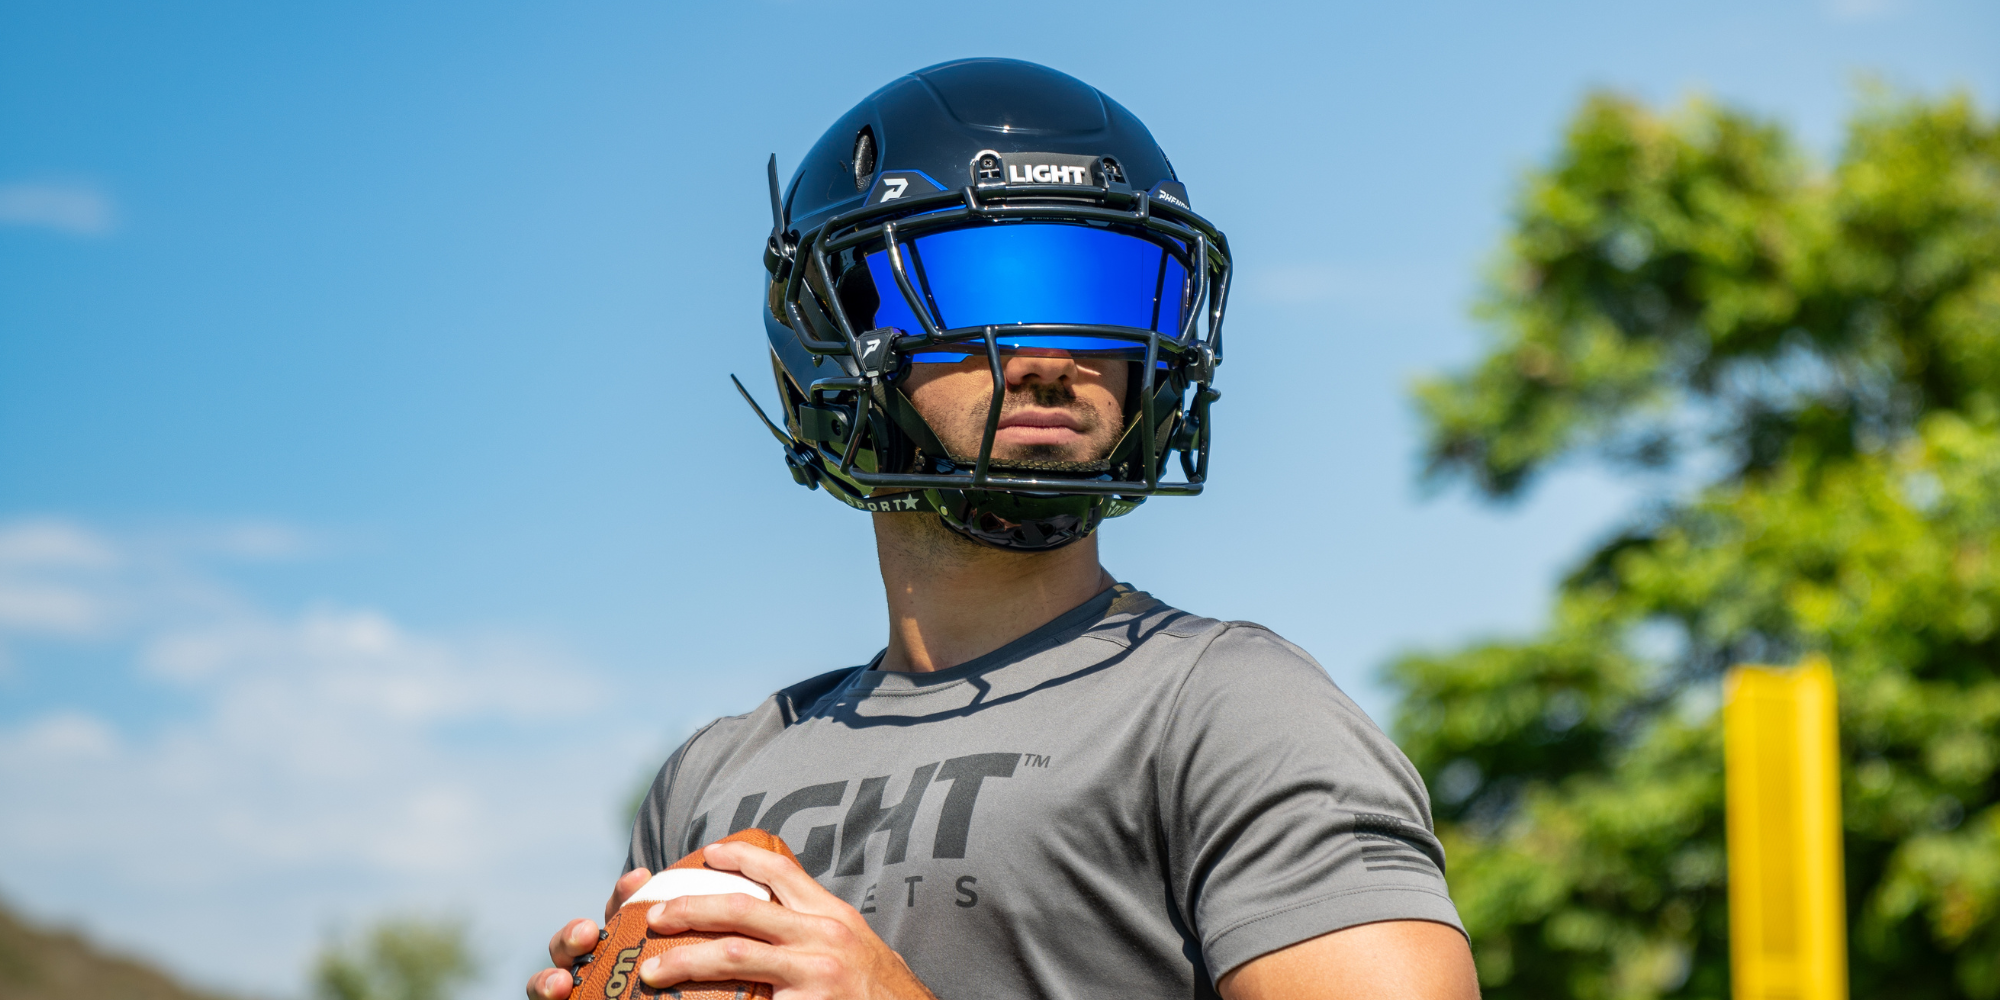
[1038, 458]
[1045, 453]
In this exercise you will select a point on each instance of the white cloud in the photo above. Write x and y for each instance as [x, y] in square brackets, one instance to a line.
[75, 209]
[51, 543]
[250, 540]
[61, 736]
[35, 556]
[238, 771]
[1863, 10]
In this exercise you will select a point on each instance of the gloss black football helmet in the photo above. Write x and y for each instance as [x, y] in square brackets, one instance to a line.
[968, 210]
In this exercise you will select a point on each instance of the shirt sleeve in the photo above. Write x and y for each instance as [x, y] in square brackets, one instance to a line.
[655, 824]
[1289, 813]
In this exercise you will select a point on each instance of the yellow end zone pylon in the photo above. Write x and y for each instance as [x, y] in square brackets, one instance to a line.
[1787, 915]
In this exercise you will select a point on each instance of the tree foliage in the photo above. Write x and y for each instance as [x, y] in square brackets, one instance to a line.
[403, 958]
[1819, 349]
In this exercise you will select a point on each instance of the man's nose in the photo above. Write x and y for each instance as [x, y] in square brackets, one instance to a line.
[1046, 364]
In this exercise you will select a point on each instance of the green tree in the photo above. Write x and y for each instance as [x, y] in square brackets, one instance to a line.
[401, 958]
[1816, 351]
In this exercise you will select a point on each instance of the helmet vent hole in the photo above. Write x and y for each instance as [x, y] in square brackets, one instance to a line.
[864, 158]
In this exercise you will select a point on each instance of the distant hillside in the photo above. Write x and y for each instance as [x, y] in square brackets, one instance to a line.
[41, 964]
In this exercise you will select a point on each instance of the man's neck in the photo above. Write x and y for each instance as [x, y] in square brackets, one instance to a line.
[952, 600]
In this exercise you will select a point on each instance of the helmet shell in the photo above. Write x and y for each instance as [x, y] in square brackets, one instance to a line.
[934, 131]
[937, 119]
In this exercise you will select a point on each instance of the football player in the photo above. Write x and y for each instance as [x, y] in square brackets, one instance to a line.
[995, 321]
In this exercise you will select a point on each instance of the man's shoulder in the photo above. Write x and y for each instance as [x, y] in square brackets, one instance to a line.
[1136, 617]
[797, 701]
[782, 708]
[713, 748]
[1213, 657]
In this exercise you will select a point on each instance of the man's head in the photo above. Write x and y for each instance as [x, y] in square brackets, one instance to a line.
[990, 300]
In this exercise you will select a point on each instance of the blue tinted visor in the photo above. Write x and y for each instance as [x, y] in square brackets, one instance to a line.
[1001, 275]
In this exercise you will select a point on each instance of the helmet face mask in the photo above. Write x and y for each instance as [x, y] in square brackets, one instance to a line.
[1036, 241]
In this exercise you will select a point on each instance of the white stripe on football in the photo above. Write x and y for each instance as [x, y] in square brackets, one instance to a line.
[677, 882]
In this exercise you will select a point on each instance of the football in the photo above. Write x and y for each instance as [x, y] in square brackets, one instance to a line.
[612, 971]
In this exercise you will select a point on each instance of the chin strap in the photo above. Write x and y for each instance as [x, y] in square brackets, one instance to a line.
[910, 501]
[885, 503]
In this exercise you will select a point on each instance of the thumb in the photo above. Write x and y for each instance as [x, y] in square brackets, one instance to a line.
[627, 884]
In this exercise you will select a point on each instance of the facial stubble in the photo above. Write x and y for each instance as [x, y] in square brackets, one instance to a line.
[1044, 395]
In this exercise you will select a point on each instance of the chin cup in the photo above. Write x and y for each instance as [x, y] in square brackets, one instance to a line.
[1021, 522]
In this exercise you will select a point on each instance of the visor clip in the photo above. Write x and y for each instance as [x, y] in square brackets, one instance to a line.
[878, 351]
[778, 255]
[1201, 364]
[801, 469]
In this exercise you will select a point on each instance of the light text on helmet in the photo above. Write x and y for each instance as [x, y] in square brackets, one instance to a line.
[1046, 173]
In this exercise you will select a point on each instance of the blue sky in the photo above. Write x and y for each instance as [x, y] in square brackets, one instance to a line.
[374, 507]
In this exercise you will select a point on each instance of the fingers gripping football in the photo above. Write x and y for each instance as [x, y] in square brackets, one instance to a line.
[748, 935]
[806, 942]
[736, 919]
[577, 939]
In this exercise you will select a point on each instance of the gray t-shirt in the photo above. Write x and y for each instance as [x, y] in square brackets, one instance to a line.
[1129, 801]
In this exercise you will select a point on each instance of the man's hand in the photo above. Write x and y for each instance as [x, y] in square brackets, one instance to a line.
[814, 946]
[1391, 960]
[577, 939]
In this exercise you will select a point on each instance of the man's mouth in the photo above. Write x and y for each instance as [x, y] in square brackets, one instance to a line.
[1038, 425]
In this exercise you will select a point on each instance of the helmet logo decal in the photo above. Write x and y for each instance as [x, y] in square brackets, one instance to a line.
[990, 168]
[873, 350]
[893, 185]
[883, 505]
[1171, 192]
[1046, 173]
